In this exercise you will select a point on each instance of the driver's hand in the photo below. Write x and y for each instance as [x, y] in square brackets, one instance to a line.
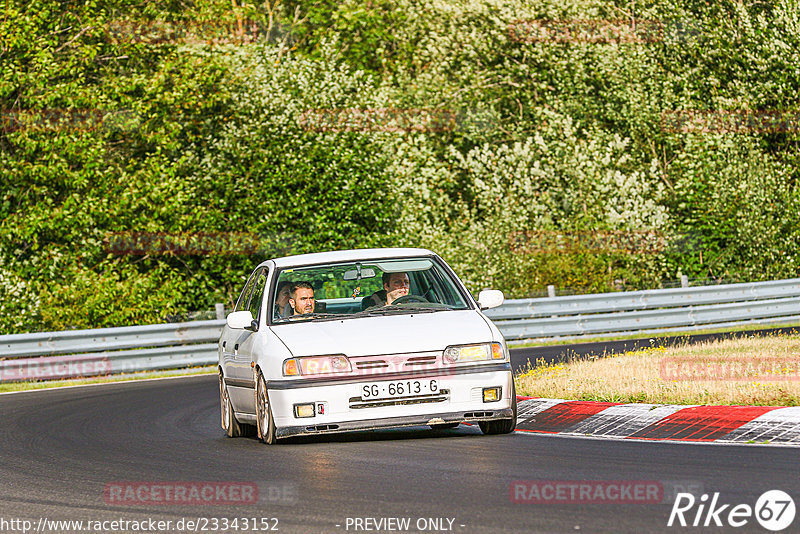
[391, 296]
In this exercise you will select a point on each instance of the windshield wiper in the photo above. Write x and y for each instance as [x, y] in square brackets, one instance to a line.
[402, 308]
[313, 316]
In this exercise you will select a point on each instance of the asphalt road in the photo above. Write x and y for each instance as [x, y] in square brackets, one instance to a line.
[61, 449]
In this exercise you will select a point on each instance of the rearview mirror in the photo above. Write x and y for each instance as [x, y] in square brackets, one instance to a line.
[490, 298]
[240, 319]
[353, 274]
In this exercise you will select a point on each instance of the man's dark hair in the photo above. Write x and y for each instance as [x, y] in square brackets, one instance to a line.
[298, 285]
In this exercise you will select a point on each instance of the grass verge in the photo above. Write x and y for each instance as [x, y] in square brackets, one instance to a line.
[756, 371]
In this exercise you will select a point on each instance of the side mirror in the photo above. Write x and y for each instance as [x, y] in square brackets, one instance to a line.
[240, 319]
[490, 298]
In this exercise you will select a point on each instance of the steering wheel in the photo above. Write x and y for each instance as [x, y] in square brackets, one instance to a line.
[409, 298]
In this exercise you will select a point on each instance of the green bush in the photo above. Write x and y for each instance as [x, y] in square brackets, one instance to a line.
[184, 125]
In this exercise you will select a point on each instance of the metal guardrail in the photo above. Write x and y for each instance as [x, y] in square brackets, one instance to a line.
[74, 353]
[109, 339]
[654, 310]
[644, 300]
[649, 319]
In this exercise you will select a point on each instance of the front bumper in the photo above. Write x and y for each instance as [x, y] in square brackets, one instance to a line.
[459, 398]
[395, 422]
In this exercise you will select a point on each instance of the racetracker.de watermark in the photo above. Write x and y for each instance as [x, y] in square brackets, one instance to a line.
[66, 119]
[586, 492]
[730, 121]
[396, 120]
[157, 32]
[590, 242]
[53, 368]
[196, 243]
[601, 491]
[193, 493]
[745, 368]
[586, 31]
[378, 120]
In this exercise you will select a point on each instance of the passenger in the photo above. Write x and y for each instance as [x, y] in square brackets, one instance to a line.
[301, 298]
[282, 298]
[395, 285]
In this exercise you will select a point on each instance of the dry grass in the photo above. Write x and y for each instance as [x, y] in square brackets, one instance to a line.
[761, 371]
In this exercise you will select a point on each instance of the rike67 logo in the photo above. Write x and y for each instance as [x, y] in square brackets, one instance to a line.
[774, 510]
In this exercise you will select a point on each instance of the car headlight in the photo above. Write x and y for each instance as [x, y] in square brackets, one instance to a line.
[475, 353]
[317, 365]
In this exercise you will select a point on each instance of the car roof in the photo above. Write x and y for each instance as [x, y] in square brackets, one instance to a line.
[348, 255]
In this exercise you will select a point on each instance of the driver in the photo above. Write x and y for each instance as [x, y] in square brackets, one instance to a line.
[301, 298]
[395, 285]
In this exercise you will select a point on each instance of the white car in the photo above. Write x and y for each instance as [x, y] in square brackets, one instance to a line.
[372, 338]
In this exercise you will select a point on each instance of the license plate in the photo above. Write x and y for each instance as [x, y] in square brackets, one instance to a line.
[401, 388]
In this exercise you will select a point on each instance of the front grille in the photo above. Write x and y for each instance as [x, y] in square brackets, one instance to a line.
[421, 360]
[395, 402]
[372, 364]
[321, 428]
[475, 415]
[395, 363]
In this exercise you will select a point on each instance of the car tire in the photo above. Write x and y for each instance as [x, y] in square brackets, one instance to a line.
[502, 426]
[444, 426]
[264, 419]
[230, 425]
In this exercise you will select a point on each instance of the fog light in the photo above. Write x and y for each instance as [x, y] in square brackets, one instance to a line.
[491, 394]
[304, 410]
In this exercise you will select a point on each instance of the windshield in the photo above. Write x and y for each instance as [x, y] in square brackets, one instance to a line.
[363, 289]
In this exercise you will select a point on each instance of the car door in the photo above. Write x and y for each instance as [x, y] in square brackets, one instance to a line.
[228, 338]
[248, 339]
[237, 349]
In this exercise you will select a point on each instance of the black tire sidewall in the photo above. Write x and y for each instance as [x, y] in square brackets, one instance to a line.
[229, 424]
[268, 434]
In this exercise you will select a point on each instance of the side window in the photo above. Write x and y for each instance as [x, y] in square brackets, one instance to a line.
[244, 297]
[258, 293]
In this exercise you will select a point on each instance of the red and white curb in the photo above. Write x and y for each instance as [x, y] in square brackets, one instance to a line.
[657, 422]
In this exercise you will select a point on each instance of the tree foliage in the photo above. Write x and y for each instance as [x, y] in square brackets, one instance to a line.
[220, 118]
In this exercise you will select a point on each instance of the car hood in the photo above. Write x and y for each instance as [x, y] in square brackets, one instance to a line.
[394, 334]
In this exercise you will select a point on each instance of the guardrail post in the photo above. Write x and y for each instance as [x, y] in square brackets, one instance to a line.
[220, 309]
[684, 281]
[551, 291]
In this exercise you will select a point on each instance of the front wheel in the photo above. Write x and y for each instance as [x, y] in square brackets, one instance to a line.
[502, 426]
[266, 423]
